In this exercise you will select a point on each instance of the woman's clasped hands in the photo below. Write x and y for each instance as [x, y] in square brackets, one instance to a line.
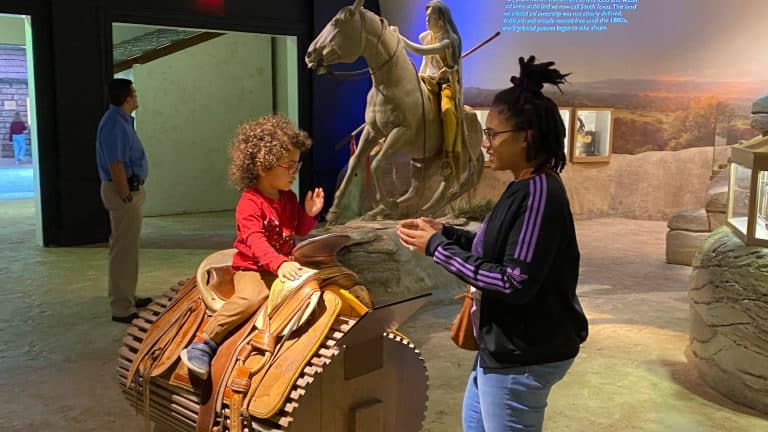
[415, 233]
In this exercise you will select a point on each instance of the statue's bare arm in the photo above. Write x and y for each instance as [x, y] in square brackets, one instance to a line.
[425, 50]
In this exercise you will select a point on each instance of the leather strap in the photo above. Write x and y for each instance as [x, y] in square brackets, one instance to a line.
[220, 367]
[177, 337]
[270, 387]
[287, 313]
[235, 419]
[160, 327]
[264, 340]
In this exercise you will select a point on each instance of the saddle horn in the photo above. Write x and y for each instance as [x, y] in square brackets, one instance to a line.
[357, 5]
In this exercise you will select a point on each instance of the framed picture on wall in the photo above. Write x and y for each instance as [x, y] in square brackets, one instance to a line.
[592, 135]
[565, 114]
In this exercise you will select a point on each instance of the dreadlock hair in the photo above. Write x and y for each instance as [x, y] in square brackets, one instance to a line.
[526, 108]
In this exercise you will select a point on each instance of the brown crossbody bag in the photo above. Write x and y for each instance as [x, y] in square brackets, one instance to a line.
[462, 332]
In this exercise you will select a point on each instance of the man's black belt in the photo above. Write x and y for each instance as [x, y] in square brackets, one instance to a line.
[134, 182]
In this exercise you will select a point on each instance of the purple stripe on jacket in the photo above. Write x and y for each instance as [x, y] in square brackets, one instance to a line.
[480, 277]
[533, 203]
[526, 239]
[539, 217]
[477, 250]
[519, 247]
[475, 276]
[526, 242]
[522, 240]
[477, 243]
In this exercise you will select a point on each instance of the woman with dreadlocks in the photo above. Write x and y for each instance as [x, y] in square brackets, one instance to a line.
[523, 264]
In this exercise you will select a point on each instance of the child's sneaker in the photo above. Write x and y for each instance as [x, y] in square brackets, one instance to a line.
[198, 355]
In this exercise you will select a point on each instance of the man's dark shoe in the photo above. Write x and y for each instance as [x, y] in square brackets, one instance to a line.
[141, 302]
[125, 319]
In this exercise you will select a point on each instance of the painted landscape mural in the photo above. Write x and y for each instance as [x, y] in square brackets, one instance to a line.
[658, 115]
[677, 74]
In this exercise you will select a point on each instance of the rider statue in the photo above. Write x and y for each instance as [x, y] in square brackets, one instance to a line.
[441, 73]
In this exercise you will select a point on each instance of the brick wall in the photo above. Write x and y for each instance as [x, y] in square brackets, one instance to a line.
[13, 93]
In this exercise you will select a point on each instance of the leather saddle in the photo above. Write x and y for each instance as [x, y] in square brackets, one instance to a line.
[255, 367]
[215, 278]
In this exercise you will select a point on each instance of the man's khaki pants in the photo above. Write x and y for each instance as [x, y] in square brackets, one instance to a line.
[123, 247]
[251, 289]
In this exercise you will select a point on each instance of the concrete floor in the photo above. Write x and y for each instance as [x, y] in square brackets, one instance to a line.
[16, 181]
[58, 347]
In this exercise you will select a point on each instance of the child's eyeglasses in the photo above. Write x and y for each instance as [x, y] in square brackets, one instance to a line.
[291, 167]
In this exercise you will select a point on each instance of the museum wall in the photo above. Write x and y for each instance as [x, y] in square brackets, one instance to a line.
[190, 105]
[649, 186]
[670, 88]
[11, 31]
[284, 77]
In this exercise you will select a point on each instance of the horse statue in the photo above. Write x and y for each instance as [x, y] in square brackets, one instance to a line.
[401, 115]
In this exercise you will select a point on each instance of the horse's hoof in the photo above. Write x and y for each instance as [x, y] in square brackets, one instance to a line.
[390, 205]
[375, 214]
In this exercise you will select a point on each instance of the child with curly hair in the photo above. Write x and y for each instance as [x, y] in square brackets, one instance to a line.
[265, 162]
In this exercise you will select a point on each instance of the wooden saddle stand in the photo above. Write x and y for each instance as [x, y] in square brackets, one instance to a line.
[314, 357]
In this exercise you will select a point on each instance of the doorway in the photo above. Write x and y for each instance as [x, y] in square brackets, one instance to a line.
[195, 86]
[19, 181]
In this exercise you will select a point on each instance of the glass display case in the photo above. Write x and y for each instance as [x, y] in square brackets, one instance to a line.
[762, 206]
[593, 133]
[748, 191]
[729, 130]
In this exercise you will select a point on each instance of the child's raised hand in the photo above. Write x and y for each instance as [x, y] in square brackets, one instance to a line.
[290, 270]
[313, 203]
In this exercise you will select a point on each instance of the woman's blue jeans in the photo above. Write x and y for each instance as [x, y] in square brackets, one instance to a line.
[19, 147]
[511, 399]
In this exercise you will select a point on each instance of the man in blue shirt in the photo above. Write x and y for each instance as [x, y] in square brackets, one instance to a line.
[122, 169]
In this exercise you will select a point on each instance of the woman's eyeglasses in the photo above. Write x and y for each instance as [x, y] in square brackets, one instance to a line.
[291, 167]
[490, 134]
